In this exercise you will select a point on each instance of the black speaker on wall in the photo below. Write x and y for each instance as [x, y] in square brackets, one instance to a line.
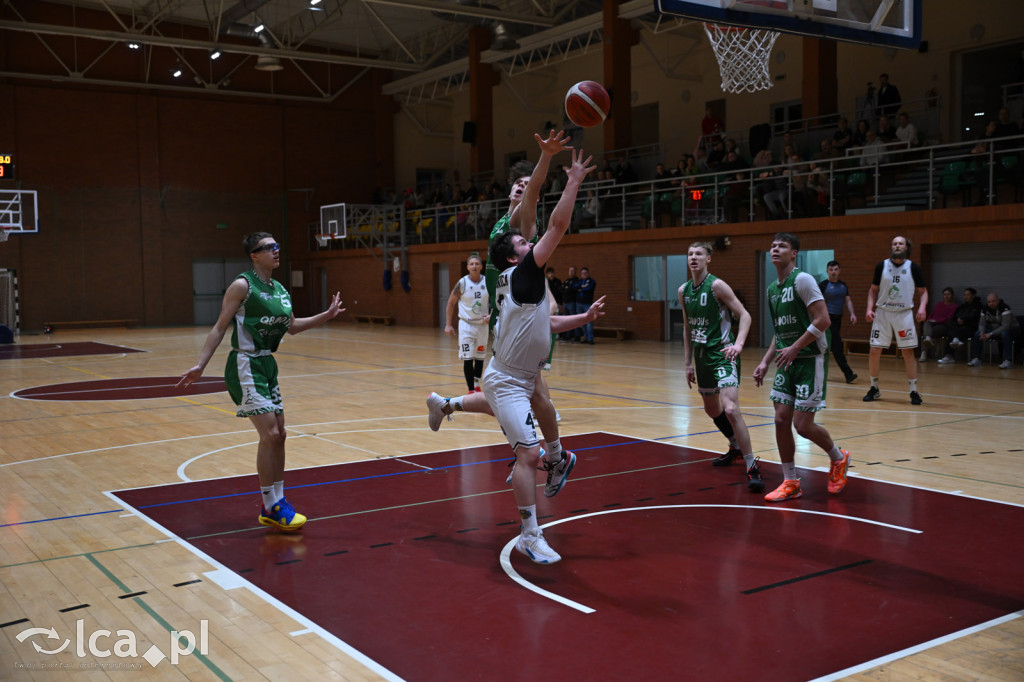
[469, 132]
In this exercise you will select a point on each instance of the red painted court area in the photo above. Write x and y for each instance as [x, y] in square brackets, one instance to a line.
[687, 574]
[56, 350]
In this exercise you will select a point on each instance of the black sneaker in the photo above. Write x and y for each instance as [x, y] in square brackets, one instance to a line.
[851, 377]
[755, 483]
[915, 398]
[873, 394]
[727, 459]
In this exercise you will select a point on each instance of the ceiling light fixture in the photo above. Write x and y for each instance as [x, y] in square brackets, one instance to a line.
[314, 3]
[176, 71]
[214, 54]
[133, 46]
[259, 27]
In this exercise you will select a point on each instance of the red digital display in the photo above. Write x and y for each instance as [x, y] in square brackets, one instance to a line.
[6, 167]
[696, 194]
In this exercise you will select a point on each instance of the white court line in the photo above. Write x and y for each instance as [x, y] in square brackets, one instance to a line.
[896, 655]
[224, 574]
[506, 551]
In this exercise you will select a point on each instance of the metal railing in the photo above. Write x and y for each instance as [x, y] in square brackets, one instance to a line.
[938, 170]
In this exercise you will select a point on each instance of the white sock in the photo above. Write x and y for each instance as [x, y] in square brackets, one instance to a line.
[279, 489]
[748, 460]
[913, 384]
[789, 471]
[834, 454]
[554, 450]
[874, 381]
[529, 518]
[455, 403]
[269, 497]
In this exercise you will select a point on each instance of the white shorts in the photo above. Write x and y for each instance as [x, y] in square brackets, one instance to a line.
[509, 395]
[893, 322]
[472, 341]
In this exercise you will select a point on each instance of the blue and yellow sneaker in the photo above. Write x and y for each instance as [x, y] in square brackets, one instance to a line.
[282, 515]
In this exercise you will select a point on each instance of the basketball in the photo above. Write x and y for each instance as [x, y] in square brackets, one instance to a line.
[587, 103]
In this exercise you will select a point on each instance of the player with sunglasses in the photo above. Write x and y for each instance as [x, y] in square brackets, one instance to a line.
[259, 311]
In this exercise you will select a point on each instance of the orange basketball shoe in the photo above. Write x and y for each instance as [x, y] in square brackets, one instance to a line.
[789, 490]
[837, 474]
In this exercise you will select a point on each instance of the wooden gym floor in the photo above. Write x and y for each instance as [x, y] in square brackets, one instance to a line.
[130, 507]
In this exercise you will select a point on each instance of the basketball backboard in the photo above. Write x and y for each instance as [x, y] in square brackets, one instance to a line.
[19, 212]
[334, 221]
[894, 23]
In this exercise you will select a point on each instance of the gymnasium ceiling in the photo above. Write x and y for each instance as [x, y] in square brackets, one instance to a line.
[305, 51]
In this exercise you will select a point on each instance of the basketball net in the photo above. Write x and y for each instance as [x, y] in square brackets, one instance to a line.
[4, 234]
[742, 55]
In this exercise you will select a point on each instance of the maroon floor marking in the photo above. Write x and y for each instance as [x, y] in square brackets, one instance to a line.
[133, 388]
[402, 563]
[58, 350]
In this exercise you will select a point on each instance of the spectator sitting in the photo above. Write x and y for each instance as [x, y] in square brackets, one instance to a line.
[965, 322]
[906, 132]
[716, 155]
[873, 153]
[939, 323]
[886, 130]
[860, 135]
[1005, 127]
[589, 213]
[997, 322]
[843, 137]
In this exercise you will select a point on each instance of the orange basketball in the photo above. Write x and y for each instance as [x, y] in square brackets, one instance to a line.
[587, 103]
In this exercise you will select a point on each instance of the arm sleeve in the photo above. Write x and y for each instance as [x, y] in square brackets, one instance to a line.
[807, 289]
[877, 278]
[918, 275]
[528, 284]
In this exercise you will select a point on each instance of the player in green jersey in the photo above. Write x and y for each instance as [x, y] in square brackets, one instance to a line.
[712, 355]
[800, 352]
[259, 311]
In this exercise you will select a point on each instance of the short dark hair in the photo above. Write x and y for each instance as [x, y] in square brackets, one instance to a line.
[519, 169]
[831, 263]
[789, 238]
[501, 250]
[974, 292]
[950, 290]
[251, 241]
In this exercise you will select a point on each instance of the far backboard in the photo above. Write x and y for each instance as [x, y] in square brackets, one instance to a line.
[894, 23]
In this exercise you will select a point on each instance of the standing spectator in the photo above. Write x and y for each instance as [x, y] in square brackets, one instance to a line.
[837, 302]
[1006, 127]
[888, 97]
[524, 329]
[711, 355]
[997, 322]
[965, 323]
[555, 285]
[258, 309]
[939, 323]
[570, 296]
[710, 126]
[798, 349]
[583, 303]
[470, 296]
[896, 281]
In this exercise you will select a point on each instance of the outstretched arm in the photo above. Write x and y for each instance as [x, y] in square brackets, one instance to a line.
[563, 323]
[301, 324]
[524, 216]
[233, 298]
[562, 214]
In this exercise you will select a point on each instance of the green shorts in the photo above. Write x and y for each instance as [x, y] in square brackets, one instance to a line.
[802, 384]
[716, 373]
[252, 384]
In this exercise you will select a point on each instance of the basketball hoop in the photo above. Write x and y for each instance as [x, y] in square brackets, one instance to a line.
[742, 55]
[323, 239]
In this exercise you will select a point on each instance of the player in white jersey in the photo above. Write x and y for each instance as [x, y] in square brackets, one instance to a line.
[521, 346]
[469, 295]
[891, 313]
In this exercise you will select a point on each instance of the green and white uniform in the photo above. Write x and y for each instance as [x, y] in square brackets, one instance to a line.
[710, 325]
[802, 384]
[260, 322]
